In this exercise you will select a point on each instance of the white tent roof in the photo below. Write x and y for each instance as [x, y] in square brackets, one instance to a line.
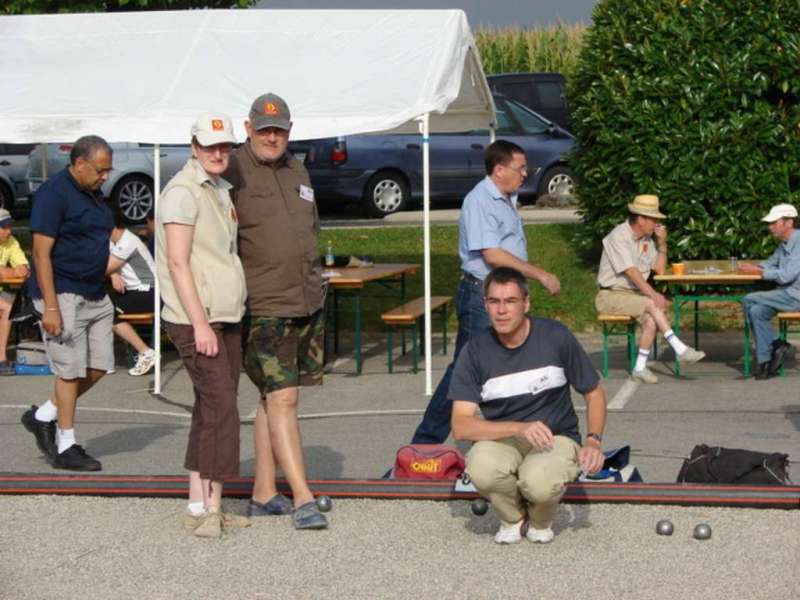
[146, 76]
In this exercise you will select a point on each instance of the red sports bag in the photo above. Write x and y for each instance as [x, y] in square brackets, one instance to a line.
[428, 461]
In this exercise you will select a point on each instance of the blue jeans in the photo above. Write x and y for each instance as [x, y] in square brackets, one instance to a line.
[472, 320]
[759, 308]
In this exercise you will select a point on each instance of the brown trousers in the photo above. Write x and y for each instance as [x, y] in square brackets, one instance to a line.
[213, 448]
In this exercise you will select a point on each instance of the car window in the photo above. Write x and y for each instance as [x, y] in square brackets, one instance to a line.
[521, 92]
[550, 95]
[529, 122]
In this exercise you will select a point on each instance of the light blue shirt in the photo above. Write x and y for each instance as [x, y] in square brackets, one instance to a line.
[783, 267]
[488, 220]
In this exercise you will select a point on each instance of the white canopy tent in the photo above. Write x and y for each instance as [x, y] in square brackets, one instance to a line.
[145, 77]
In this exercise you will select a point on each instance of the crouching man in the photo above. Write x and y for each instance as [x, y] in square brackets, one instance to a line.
[527, 446]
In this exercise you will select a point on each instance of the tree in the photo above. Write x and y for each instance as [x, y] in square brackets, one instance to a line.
[22, 7]
[696, 101]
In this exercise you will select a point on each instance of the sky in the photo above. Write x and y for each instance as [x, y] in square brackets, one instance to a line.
[480, 13]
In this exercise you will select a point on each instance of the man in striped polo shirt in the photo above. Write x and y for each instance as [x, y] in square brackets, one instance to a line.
[528, 444]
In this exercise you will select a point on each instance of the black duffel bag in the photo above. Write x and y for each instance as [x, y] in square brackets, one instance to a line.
[731, 465]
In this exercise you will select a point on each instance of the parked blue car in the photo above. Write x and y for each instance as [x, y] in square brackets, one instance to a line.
[384, 172]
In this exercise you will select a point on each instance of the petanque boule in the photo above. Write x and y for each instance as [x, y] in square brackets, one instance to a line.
[479, 507]
[702, 531]
[324, 503]
[664, 527]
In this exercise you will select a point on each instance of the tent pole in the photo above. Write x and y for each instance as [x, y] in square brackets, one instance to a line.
[426, 194]
[156, 295]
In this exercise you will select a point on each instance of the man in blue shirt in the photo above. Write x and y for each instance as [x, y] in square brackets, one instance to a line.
[527, 445]
[490, 235]
[783, 267]
[71, 226]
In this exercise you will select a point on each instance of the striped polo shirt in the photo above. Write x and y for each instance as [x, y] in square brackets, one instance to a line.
[528, 383]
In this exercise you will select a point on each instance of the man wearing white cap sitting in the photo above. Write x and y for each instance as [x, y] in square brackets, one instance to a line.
[630, 253]
[783, 267]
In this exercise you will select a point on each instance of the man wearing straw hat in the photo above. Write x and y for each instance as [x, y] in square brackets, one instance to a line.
[783, 267]
[630, 252]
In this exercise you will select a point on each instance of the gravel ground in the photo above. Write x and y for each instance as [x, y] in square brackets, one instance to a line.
[124, 548]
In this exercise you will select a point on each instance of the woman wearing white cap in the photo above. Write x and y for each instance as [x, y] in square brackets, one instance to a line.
[203, 289]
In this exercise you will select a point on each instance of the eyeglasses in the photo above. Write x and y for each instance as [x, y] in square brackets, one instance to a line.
[99, 171]
[523, 170]
[223, 148]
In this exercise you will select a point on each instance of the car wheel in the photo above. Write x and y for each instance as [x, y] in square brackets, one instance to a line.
[557, 182]
[6, 197]
[134, 196]
[385, 193]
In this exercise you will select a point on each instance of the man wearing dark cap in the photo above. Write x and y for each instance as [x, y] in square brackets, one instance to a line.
[278, 231]
[783, 267]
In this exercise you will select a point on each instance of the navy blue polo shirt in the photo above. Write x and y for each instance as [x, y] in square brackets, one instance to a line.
[81, 224]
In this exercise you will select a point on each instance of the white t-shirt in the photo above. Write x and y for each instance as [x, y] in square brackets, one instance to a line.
[138, 272]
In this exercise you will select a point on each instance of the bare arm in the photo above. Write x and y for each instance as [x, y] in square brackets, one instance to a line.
[497, 257]
[114, 264]
[42, 247]
[590, 457]
[467, 426]
[179, 239]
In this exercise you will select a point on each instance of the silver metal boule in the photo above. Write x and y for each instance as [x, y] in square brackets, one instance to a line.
[664, 527]
[324, 503]
[479, 507]
[702, 531]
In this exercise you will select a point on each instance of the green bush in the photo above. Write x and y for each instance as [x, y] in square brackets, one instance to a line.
[696, 101]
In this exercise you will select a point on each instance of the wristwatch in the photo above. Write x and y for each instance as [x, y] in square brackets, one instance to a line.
[595, 436]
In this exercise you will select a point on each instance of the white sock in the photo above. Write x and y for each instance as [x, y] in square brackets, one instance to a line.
[641, 359]
[673, 341]
[64, 438]
[46, 412]
[195, 508]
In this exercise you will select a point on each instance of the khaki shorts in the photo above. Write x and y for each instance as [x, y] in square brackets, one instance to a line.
[282, 352]
[622, 302]
[86, 340]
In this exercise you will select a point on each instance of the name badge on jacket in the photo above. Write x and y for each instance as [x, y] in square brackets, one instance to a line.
[306, 193]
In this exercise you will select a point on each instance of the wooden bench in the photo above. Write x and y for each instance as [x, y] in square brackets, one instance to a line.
[144, 320]
[785, 320]
[611, 323]
[409, 315]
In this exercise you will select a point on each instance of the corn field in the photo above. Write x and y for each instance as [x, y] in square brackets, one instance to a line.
[549, 49]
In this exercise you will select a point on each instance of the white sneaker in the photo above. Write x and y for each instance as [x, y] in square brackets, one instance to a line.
[644, 375]
[508, 534]
[541, 536]
[144, 362]
[691, 356]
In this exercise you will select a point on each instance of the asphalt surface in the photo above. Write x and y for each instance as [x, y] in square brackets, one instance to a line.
[65, 547]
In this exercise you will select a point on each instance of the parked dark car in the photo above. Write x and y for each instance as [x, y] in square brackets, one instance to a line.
[541, 92]
[384, 172]
[13, 165]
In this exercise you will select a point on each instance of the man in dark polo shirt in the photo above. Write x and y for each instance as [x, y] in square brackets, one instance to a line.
[528, 445]
[71, 226]
[278, 230]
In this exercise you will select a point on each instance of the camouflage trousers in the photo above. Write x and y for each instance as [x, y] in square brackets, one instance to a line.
[284, 352]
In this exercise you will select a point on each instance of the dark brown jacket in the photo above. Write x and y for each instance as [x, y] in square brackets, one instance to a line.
[278, 233]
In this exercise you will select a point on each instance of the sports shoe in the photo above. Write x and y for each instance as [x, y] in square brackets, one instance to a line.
[644, 375]
[144, 362]
[43, 431]
[308, 516]
[509, 534]
[277, 505]
[7, 368]
[210, 524]
[229, 521]
[75, 458]
[691, 356]
[541, 536]
[780, 351]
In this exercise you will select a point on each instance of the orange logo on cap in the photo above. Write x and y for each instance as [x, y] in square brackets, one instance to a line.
[217, 125]
[270, 109]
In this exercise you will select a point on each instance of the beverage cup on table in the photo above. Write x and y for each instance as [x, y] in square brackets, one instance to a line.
[678, 268]
[734, 264]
